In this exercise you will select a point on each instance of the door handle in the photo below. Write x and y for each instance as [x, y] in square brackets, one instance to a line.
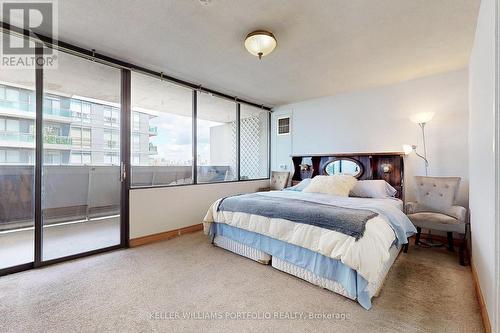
[123, 172]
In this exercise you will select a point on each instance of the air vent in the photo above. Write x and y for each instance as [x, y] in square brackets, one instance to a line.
[283, 126]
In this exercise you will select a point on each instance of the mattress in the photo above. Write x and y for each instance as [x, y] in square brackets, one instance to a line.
[242, 249]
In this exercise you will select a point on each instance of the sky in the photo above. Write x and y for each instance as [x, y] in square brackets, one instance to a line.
[174, 139]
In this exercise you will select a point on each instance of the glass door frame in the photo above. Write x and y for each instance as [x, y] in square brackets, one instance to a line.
[125, 110]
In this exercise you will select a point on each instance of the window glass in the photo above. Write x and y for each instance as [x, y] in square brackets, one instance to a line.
[161, 126]
[216, 136]
[254, 142]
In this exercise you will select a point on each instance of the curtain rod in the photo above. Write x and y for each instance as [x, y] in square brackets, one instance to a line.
[107, 60]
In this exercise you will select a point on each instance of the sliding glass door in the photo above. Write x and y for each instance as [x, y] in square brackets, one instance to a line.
[17, 165]
[81, 157]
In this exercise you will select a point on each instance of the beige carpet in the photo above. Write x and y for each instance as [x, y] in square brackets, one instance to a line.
[426, 291]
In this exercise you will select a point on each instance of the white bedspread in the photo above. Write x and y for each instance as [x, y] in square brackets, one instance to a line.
[367, 255]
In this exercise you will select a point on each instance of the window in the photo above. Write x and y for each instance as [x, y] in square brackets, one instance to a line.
[12, 95]
[136, 121]
[111, 116]
[136, 142]
[111, 139]
[111, 159]
[81, 158]
[283, 126]
[254, 142]
[216, 136]
[76, 158]
[52, 158]
[81, 137]
[12, 156]
[161, 125]
[86, 138]
[12, 125]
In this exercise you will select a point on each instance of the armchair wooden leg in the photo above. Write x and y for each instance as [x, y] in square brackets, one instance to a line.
[450, 241]
[463, 251]
[405, 247]
[417, 237]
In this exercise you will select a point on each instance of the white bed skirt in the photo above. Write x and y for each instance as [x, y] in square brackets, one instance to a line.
[373, 288]
[242, 250]
[287, 267]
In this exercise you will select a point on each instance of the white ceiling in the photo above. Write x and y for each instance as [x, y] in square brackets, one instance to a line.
[324, 46]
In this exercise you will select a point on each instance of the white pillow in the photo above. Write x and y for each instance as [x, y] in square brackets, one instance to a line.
[375, 188]
[339, 185]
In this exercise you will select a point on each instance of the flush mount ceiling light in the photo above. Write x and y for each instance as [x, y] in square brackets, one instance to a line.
[260, 43]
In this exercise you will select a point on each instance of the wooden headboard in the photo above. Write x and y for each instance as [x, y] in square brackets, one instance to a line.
[386, 166]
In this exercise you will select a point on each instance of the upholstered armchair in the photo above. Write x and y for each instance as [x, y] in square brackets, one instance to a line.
[435, 209]
[278, 181]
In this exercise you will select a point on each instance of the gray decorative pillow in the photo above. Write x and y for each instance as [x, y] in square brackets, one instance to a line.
[300, 186]
[373, 188]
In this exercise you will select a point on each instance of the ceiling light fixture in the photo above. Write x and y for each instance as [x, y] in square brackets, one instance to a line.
[260, 43]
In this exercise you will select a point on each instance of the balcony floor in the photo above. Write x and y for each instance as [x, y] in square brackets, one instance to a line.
[59, 240]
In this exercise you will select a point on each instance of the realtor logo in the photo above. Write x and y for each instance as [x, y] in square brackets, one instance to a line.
[36, 22]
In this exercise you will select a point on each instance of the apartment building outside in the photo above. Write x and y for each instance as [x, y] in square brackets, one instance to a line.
[77, 131]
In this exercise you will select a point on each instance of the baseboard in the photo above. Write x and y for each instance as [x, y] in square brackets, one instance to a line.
[480, 299]
[164, 235]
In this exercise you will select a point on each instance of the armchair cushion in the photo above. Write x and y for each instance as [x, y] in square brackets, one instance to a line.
[437, 221]
[456, 212]
[436, 194]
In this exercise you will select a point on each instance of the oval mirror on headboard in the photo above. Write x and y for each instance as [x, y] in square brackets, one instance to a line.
[345, 166]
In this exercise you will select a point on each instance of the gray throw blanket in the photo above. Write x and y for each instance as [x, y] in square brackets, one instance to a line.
[348, 221]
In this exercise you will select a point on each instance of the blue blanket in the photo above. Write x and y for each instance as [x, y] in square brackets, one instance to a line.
[349, 221]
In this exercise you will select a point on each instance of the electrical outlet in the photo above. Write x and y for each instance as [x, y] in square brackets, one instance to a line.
[283, 166]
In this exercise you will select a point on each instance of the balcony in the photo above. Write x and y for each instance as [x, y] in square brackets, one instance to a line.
[111, 144]
[153, 150]
[21, 106]
[57, 112]
[153, 131]
[57, 139]
[17, 137]
[29, 137]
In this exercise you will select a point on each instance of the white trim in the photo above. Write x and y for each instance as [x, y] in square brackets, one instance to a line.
[496, 306]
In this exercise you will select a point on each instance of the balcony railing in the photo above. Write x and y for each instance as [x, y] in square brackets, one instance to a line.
[153, 130]
[29, 137]
[95, 190]
[30, 107]
[57, 139]
[17, 137]
[21, 106]
[153, 150]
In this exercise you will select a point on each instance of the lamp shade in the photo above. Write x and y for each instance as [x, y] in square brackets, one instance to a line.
[260, 43]
[422, 118]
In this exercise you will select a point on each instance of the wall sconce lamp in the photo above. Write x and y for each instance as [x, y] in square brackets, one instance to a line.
[421, 119]
[305, 167]
[408, 149]
[386, 168]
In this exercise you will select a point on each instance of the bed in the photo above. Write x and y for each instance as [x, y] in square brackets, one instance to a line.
[341, 243]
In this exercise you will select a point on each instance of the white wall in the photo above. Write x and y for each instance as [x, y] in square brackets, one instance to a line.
[482, 149]
[162, 209]
[221, 150]
[376, 120]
